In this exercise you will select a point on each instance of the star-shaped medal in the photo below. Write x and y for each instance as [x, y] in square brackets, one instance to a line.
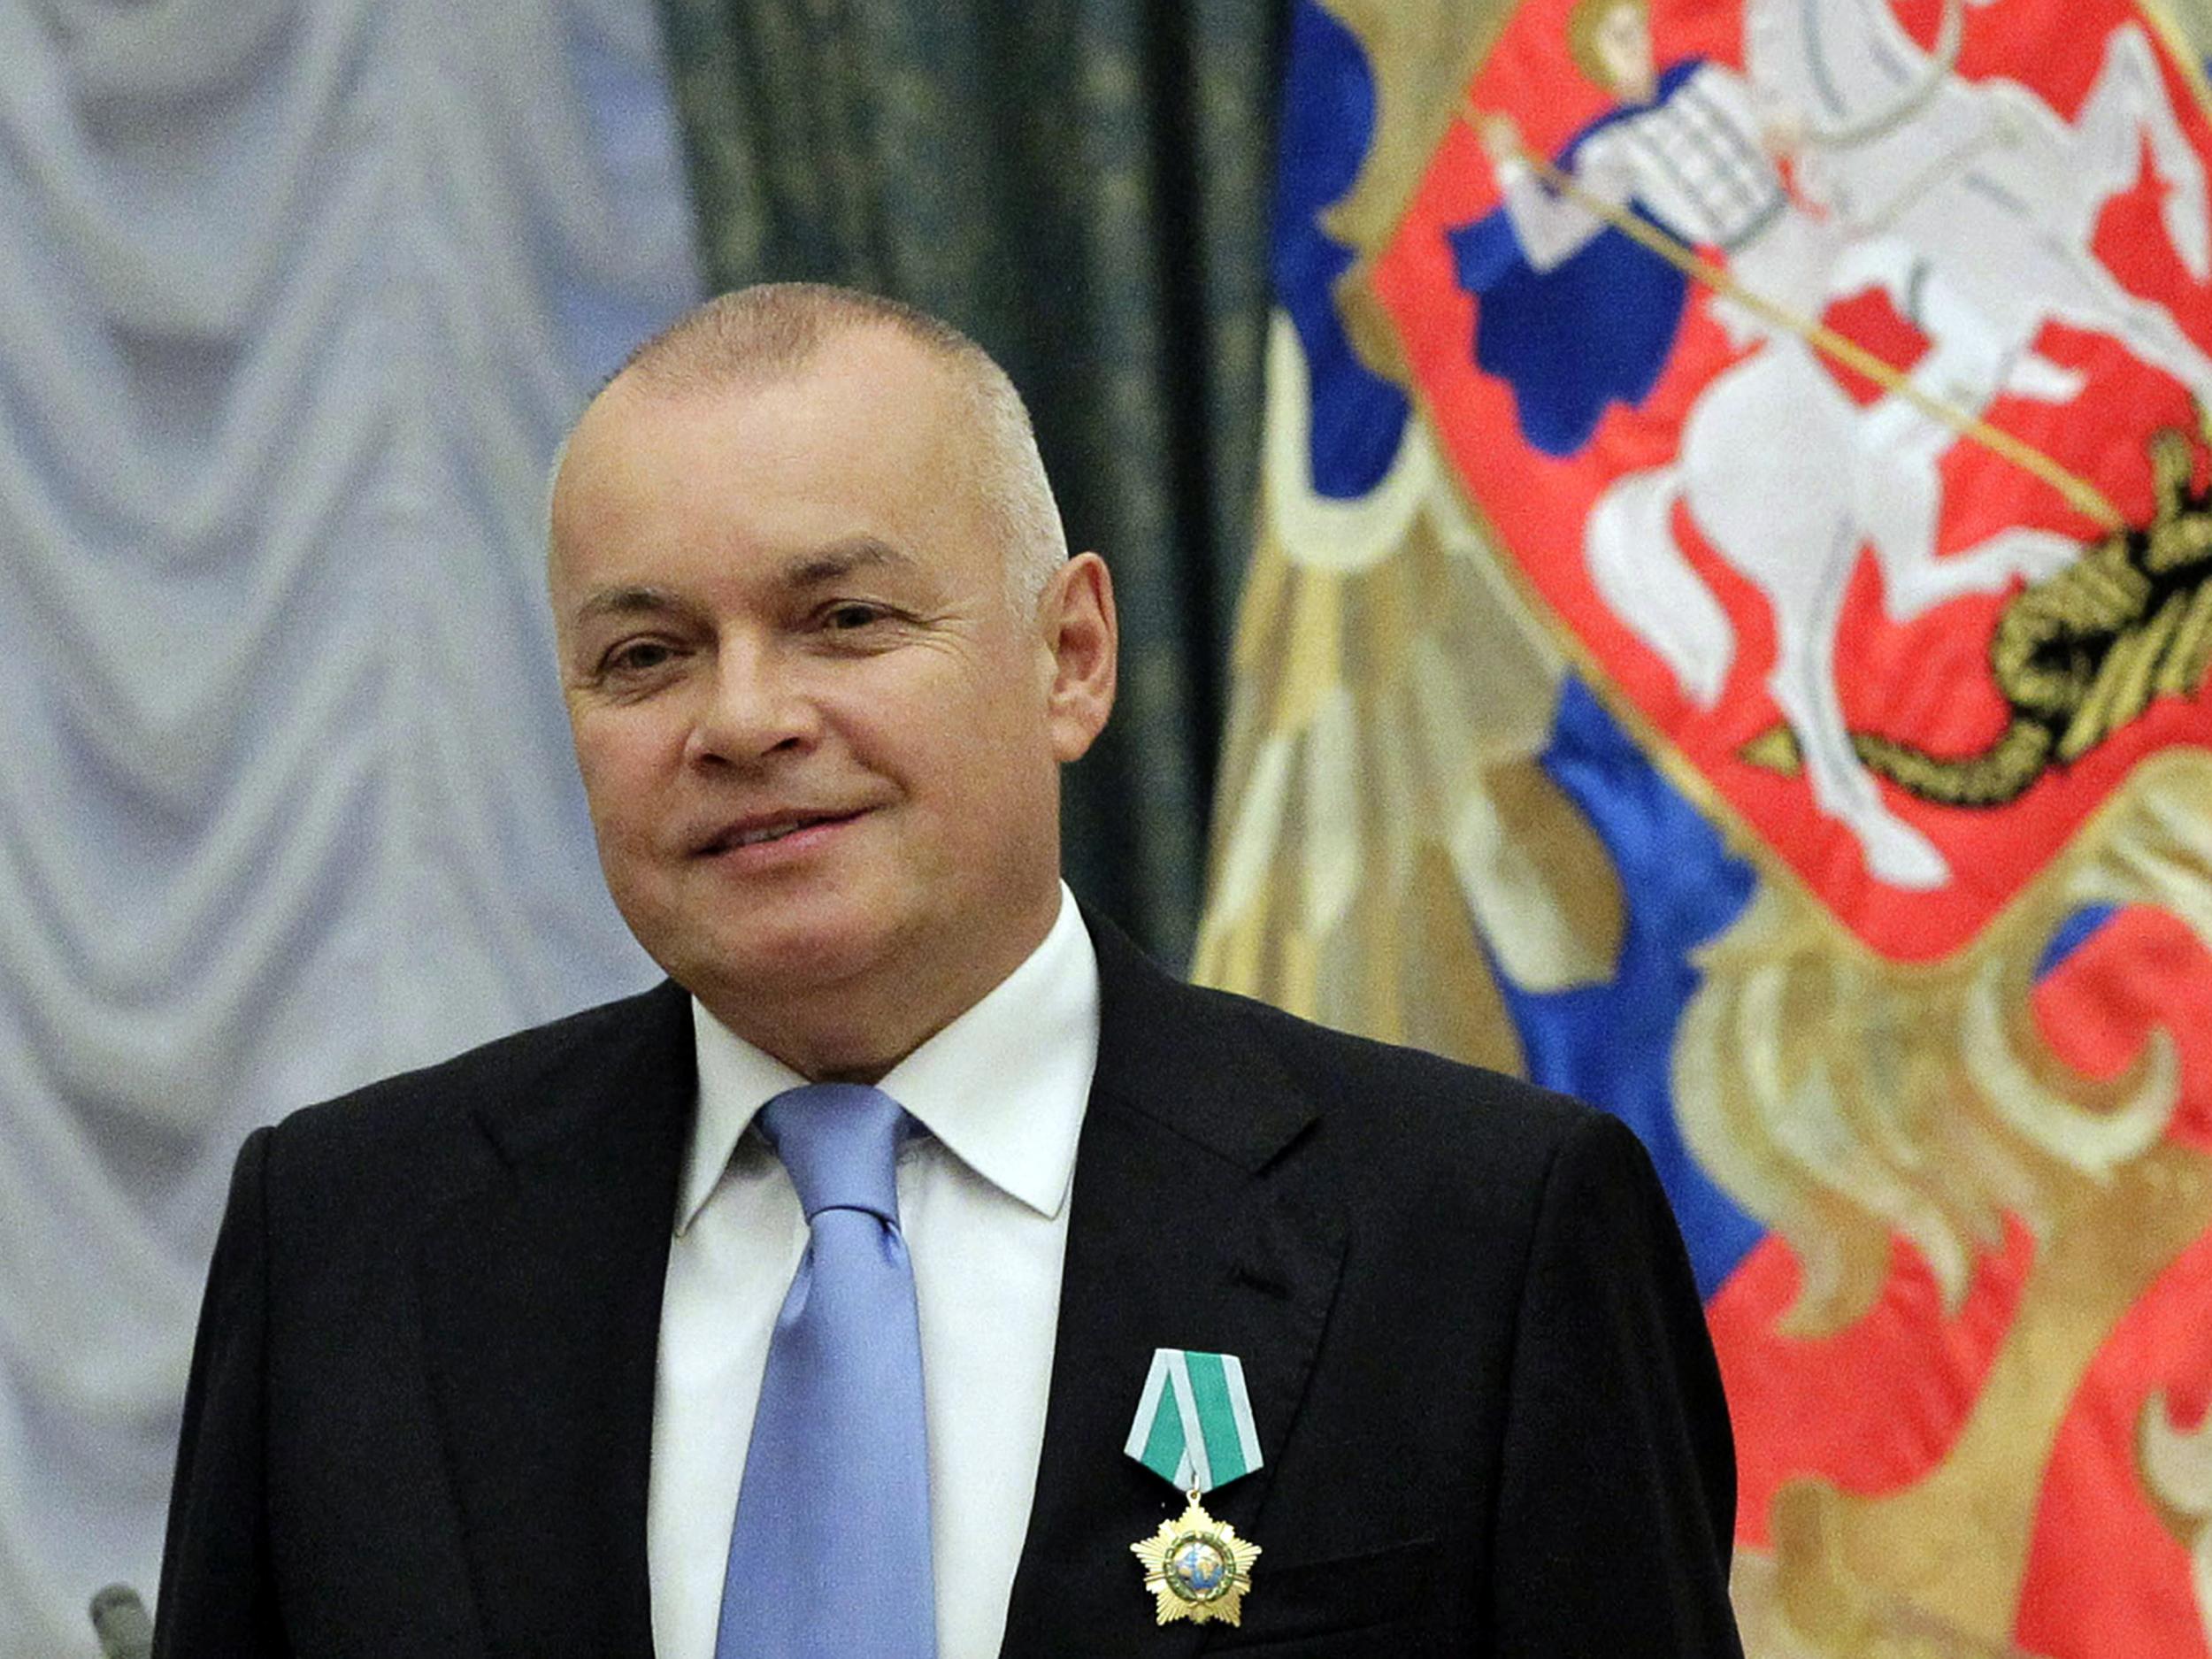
[1198, 1567]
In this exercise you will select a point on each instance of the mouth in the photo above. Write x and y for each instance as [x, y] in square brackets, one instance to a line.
[766, 831]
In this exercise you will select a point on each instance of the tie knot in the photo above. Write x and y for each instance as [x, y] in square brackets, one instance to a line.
[840, 1142]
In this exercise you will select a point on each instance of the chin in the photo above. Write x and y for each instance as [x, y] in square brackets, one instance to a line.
[759, 960]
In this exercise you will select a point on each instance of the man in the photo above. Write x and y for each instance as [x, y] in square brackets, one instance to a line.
[492, 1355]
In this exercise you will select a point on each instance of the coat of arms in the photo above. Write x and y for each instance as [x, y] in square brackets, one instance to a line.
[1731, 637]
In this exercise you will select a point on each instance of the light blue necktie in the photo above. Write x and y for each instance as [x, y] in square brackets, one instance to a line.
[829, 1556]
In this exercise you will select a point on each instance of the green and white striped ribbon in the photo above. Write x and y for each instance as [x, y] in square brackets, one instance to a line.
[1193, 1423]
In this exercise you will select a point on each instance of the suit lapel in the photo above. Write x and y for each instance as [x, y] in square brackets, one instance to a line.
[1202, 1220]
[542, 1299]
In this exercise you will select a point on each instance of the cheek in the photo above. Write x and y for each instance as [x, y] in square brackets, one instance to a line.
[619, 767]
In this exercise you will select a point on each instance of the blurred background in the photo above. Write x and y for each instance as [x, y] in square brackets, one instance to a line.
[297, 296]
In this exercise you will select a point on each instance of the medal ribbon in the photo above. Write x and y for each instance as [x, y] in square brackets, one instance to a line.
[1193, 1424]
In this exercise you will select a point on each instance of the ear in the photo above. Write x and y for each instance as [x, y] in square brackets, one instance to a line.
[1076, 613]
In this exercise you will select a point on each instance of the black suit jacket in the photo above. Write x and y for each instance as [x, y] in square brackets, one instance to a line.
[419, 1412]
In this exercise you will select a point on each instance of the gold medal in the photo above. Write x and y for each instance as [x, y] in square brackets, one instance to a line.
[1193, 1427]
[1198, 1567]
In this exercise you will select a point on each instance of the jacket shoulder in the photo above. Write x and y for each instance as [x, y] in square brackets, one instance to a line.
[1399, 1125]
[1382, 1098]
[437, 1122]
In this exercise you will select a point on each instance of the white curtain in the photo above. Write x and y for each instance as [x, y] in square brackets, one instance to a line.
[296, 298]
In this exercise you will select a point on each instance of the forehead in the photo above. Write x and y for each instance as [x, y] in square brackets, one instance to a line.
[869, 441]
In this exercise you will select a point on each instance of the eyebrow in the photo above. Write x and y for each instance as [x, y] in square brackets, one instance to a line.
[630, 600]
[843, 558]
[831, 564]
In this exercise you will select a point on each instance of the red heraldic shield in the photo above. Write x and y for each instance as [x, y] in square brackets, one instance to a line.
[1791, 566]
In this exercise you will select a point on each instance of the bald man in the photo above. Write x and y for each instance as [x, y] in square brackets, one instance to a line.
[512, 1356]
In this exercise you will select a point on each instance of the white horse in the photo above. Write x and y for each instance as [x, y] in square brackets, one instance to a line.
[1777, 473]
[1982, 205]
[1983, 178]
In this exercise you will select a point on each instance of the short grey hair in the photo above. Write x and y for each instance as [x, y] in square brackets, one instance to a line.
[774, 330]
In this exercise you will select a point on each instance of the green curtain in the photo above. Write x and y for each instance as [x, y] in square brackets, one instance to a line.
[1082, 185]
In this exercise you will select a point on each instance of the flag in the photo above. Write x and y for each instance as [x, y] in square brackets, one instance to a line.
[1729, 638]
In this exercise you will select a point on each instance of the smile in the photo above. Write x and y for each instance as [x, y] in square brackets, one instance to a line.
[770, 832]
[753, 838]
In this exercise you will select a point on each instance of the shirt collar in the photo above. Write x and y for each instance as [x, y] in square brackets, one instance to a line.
[1003, 1087]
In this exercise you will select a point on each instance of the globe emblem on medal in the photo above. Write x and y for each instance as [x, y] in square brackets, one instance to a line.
[1198, 1569]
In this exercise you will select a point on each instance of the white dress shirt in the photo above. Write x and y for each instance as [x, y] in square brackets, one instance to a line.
[983, 1203]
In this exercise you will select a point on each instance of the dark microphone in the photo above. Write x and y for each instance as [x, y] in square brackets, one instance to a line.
[119, 1618]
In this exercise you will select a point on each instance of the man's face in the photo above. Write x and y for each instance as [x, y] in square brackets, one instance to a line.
[820, 745]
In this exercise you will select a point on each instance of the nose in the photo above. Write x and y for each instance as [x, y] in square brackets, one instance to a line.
[755, 705]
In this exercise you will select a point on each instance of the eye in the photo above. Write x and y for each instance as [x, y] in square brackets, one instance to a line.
[856, 627]
[848, 614]
[636, 656]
